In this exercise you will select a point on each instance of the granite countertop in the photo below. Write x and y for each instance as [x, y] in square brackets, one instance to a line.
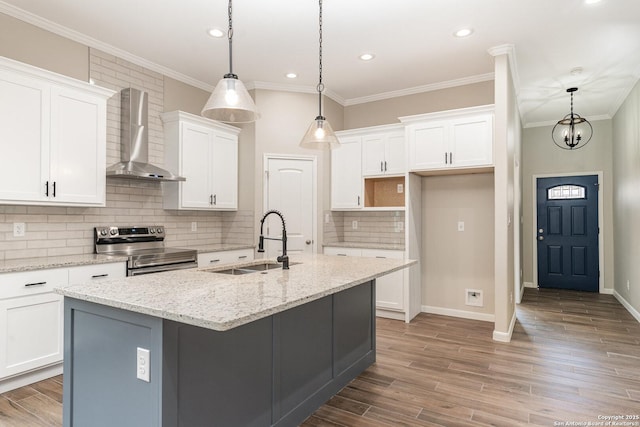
[30, 264]
[386, 246]
[222, 301]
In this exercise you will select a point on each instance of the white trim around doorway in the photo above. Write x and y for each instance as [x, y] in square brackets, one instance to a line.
[534, 265]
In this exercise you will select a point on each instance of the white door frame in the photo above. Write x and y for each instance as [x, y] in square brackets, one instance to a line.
[314, 189]
[600, 222]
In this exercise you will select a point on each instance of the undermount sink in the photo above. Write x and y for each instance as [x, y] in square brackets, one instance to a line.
[246, 269]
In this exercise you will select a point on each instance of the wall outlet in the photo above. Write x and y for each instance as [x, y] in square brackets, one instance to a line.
[400, 188]
[354, 224]
[460, 225]
[473, 297]
[142, 364]
[398, 226]
[194, 226]
[19, 229]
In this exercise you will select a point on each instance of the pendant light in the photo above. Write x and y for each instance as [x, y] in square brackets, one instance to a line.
[230, 101]
[573, 131]
[320, 134]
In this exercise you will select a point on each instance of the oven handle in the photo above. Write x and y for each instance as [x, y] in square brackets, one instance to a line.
[142, 264]
[161, 268]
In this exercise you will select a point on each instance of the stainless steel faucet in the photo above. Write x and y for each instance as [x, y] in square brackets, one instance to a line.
[284, 258]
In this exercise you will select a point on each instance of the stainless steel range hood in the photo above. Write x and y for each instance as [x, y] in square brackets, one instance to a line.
[134, 139]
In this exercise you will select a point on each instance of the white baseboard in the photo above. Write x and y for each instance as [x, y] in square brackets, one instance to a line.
[30, 378]
[607, 291]
[459, 313]
[395, 315]
[529, 285]
[505, 336]
[635, 313]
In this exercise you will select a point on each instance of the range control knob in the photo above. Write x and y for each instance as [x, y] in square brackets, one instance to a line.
[152, 230]
[113, 231]
[160, 230]
[103, 232]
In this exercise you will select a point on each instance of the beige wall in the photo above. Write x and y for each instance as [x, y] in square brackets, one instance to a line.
[285, 117]
[626, 199]
[388, 110]
[540, 156]
[32, 45]
[453, 261]
[183, 97]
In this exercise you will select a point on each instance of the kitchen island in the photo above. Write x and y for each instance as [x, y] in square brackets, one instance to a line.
[257, 349]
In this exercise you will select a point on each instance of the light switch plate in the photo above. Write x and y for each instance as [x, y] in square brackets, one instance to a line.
[460, 225]
[18, 229]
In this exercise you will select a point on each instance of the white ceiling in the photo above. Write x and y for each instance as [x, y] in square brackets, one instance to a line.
[412, 40]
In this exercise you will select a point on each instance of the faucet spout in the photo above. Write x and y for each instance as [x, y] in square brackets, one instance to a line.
[284, 258]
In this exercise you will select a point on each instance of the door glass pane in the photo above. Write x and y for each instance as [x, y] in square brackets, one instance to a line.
[564, 192]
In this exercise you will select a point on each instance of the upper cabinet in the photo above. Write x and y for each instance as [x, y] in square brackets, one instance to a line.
[456, 139]
[346, 174]
[205, 152]
[52, 138]
[383, 153]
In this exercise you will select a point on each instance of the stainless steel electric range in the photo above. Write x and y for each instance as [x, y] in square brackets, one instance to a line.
[144, 247]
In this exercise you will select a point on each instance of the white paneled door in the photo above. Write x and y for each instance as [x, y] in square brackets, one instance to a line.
[290, 189]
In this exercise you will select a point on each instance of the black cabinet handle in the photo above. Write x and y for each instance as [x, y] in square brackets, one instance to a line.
[385, 165]
[213, 260]
[210, 199]
[27, 285]
[215, 197]
[358, 200]
[446, 162]
[46, 189]
[242, 257]
[54, 189]
[97, 276]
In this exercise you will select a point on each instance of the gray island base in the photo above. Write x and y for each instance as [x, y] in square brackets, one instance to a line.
[259, 349]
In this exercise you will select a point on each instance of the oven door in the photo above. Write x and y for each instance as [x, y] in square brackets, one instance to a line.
[160, 268]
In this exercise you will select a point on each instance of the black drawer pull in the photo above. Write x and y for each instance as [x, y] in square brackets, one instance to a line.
[97, 276]
[34, 284]
[214, 260]
[242, 257]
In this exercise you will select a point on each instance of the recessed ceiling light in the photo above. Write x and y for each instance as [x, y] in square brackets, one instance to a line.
[463, 32]
[215, 32]
[576, 71]
[591, 1]
[367, 56]
[291, 75]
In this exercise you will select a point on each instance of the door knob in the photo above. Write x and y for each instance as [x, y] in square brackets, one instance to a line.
[540, 230]
[308, 242]
[540, 237]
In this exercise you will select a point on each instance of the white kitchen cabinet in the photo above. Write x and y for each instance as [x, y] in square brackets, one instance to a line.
[391, 289]
[91, 273]
[383, 153]
[31, 320]
[53, 138]
[205, 152]
[456, 139]
[346, 174]
[213, 259]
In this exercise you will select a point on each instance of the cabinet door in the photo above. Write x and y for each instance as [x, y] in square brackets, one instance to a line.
[339, 251]
[214, 259]
[390, 287]
[196, 156]
[471, 141]
[428, 145]
[395, 154]
[78, 147]
[225, 172]
[30, 332]
[346, 175]
[373, 155]
[24, 132]
[91, 273]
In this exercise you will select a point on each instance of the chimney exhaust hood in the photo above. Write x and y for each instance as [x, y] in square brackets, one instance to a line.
[134, 140]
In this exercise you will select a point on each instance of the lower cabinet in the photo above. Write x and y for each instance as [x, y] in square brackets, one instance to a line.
[31, 314]
[390, 289]
[212, 259]
[31, 320]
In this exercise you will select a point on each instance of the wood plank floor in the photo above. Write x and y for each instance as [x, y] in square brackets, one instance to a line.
[574, 356]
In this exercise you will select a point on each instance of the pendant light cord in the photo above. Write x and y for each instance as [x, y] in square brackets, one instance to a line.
[320, 86]
[230, 37]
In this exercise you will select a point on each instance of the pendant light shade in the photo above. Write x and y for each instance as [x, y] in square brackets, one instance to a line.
[320, 134]
[573, 131]
[230, 101]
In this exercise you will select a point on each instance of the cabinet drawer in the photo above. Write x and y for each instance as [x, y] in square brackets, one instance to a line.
[330, 250]
[88, 273]
[31, 282]
[211, 259]
[383, 253]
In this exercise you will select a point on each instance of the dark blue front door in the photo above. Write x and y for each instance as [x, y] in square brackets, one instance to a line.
[568, 233]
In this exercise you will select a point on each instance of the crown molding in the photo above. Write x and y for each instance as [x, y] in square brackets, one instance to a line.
[294, 88]
[554, 122]
[76, 36]
[421, 89]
